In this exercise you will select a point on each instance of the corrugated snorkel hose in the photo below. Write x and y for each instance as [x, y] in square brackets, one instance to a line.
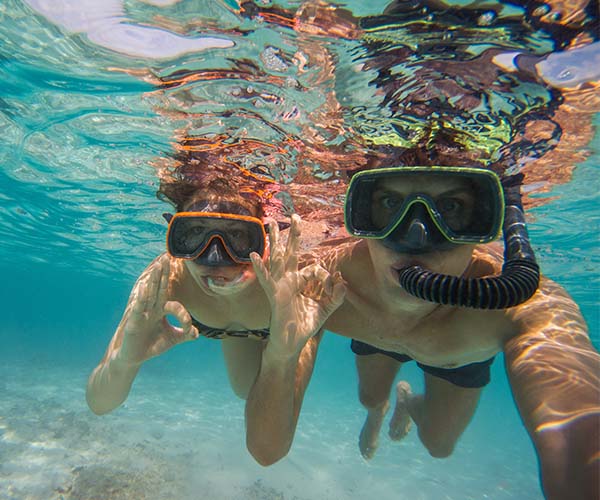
[520, 273]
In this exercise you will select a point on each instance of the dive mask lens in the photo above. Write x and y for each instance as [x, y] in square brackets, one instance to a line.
[465, 204]
[191, 233]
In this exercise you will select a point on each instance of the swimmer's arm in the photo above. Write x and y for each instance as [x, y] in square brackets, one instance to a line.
[562, 69]
[275, 401]
[143, 333]
[312, 17]
[554, 374]
[302, 297]
[110, 382]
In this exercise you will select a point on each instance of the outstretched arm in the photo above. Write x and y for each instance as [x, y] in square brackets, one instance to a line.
[315, 17]
[275, 400]
[143, 333]
[301, 301]
[554, 374]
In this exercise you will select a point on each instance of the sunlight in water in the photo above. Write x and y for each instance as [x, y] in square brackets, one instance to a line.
[109, 109]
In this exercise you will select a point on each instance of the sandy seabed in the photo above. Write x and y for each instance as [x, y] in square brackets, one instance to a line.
[173, 440]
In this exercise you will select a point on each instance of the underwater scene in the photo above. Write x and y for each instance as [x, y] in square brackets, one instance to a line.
[110, 110]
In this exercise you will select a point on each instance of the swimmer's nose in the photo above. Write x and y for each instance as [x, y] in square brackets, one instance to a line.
[215, 255]
[417, 235]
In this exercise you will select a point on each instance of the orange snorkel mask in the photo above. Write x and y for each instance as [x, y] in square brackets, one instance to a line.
[215, 238]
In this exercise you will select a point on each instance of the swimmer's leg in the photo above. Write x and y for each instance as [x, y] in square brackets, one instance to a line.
[376, 373]
[242, 359]
[401, 421]
[441, 414]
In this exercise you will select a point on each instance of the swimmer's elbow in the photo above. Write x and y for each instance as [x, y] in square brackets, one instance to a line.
[98, 412]
[267, 459]
[266, 454]
[97, 407]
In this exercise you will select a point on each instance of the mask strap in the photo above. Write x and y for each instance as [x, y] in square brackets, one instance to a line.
[167, 217]
[514, 180]
[282, 226]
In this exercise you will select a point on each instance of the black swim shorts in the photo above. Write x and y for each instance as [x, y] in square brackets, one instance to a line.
[472, 376]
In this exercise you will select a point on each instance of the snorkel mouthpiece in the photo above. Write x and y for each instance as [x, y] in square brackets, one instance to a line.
[516, 284]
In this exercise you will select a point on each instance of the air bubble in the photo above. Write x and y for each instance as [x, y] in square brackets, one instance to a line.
[487, 18]
[540, 11]
[565, 74]
[556, 16]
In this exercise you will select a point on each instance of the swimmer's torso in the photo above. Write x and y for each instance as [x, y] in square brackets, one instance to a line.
[249, 310]
[445, 336]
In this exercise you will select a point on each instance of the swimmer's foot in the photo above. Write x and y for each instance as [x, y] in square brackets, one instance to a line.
[401, 421]
[369, 435]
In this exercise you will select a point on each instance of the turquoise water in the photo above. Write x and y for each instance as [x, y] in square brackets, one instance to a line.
[80, 220]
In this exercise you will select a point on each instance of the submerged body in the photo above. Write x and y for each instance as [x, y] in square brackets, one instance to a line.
[168, 287]
[219, 279]
[551, 364]
[436, 335]
[277, 295]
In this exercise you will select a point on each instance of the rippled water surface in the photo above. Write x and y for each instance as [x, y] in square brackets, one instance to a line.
[88, 116]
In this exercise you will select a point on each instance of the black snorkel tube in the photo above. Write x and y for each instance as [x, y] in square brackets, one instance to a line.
[520, 273]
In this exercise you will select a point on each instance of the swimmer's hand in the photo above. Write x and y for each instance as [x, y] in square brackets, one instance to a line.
[322, 18]
[146, 330]
[315, 17]
[301, 299]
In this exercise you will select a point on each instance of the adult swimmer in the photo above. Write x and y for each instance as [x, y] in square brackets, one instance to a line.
[207, 283]
[425, 281]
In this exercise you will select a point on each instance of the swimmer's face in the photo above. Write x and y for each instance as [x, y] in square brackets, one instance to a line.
[230, 278]
[453, 197]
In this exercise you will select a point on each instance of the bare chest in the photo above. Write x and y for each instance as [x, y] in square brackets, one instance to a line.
[240, 313]
[446, 338]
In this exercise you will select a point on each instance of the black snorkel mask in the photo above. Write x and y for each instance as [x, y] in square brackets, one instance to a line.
[475, 207]
[417, 234]
[215, 234]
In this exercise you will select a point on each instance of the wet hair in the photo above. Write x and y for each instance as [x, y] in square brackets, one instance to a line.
[439, 154]
[202, 172]
[182, 192]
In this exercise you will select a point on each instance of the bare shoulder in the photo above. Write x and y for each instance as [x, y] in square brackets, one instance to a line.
[487, 260]
[551, 362]
[551, 317]
[336, 255]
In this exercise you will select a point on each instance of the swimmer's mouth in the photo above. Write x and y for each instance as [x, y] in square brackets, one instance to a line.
[408, 263]
[220, 281]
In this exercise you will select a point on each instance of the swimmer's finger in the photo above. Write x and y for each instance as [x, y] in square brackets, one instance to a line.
[327, 283]
[145, 294]
[186, 330]
[273, 235]
[339, 291]
[179, 312]
[262, 273]
[163, 287]
[293, 244]
[152, 286]
[317, 274]
[330, 290]
[275, 252]
[136, 303]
